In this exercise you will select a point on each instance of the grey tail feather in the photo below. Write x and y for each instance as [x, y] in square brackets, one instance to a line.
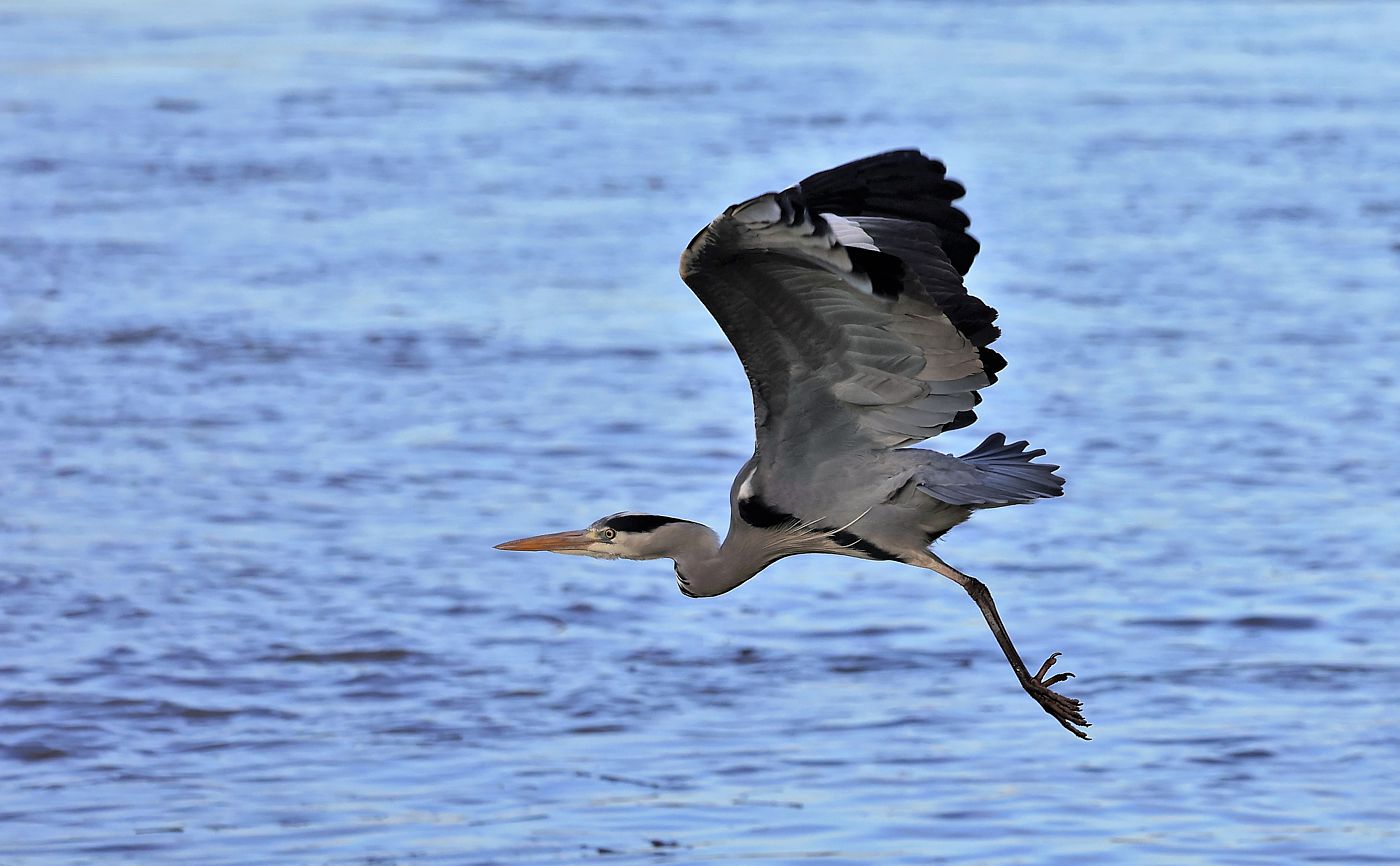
[1009, 473]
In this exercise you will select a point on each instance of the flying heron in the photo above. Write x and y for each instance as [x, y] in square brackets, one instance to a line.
[843, 296]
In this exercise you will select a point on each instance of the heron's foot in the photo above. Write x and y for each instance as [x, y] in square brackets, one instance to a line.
[1065, 710]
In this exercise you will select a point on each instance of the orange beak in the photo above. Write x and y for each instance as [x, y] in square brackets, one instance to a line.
[558, 542]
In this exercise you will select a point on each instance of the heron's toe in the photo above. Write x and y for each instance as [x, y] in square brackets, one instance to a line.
[1065, 710]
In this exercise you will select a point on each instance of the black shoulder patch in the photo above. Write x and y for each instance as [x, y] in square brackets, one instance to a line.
[760, 515]
[640, 522]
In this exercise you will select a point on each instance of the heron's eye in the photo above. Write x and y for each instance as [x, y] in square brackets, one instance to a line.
[608, 534]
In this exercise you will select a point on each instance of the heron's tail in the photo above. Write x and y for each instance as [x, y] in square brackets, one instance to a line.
[1010, 470]
[1004, 474]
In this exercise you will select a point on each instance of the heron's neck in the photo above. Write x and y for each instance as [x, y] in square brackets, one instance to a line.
[704, 567]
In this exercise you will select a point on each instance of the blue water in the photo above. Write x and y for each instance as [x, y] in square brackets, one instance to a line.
[307, 304]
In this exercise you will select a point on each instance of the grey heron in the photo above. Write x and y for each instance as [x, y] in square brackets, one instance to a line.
[843, 296]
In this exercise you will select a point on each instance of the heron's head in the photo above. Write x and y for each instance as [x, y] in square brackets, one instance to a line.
[618, 536]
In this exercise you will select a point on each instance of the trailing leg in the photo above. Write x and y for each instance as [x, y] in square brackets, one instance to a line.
[1065, 710]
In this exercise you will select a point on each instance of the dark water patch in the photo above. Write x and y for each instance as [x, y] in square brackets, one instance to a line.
[1245, 670]
[609, 728]
[171, 709]
[518, 694]
[359, 656]
[586, 20]
[366, 677]
[250, 517]
[243, 743]
[55, 253]
[746, 656]
[33, 165]
[866, 724]
[666, 658]
[213, 342]
[137, 336]
[98, 606]
[176, 105]
[1327, 674]
[864, 631]
[584, 612]
[567, 352]
[1282, 213]
[860, 664]
[105, 708]
[741, 770]
[122, 848]
[354, 480]
[1278, 623]
[1261, 622]
[33, 751]
[1184, 622]
[1043, 567]
[26, 701]
[374, 695]
[475, 66]
[427, 731]
[208, 340]
[1240, 756]
[1143, 335]
[636, 781]
[236, 173]
[624, 427]
[723, 659]
[545, 17]
[338, 104]
[540, 618]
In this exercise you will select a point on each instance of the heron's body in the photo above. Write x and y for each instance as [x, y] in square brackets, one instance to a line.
[840, 512]
[843, 297]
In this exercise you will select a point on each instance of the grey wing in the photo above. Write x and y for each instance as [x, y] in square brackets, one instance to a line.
[843, 297]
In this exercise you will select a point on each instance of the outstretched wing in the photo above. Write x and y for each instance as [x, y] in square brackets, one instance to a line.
[843, 296]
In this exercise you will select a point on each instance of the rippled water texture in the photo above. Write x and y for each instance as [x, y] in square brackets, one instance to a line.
[307, 304]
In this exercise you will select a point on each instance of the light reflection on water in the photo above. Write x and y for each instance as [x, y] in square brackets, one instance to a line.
[307, 306]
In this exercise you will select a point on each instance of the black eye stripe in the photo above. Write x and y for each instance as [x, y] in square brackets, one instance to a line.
[640, 522]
